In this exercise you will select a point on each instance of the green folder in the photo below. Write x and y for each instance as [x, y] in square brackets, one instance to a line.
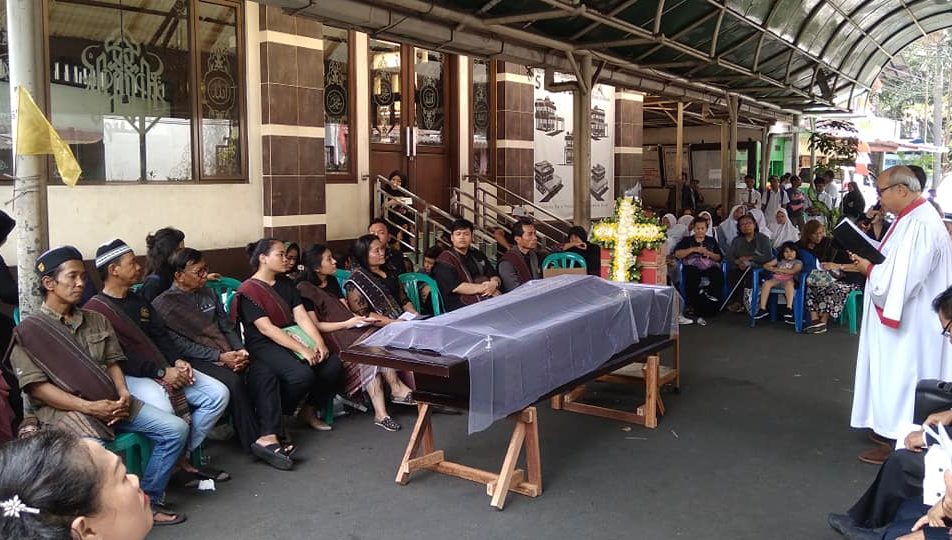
[297, 333]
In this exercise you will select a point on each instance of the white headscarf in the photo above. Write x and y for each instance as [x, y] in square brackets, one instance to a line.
[669, 220]
[685, 220]
[710, 223]
[783, 233]
[675, 232]
[758, 215]
[729, 227]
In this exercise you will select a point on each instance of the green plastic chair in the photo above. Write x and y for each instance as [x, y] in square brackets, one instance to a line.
[342, 276]
[135, 287]
[229, 296]
[565, 259]
[134, 449]
[16, 316]
[224, 287]
[411, 284]
[850, 314]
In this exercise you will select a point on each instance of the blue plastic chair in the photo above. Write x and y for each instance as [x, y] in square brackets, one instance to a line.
[725, 289]
[411, 284]
[799, 295]
[342, 276]
[565, 259]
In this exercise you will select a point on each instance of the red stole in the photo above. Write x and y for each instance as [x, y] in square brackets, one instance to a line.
[886, 321]
[68, 365]
[264, 296]
[452, 259]
[518, 261]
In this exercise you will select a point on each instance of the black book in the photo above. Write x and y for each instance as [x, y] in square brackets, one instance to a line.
[856, 241]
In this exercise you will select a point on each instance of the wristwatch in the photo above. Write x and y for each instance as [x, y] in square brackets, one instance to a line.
[160, 373]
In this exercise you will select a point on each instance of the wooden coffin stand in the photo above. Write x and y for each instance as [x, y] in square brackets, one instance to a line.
[446, 382]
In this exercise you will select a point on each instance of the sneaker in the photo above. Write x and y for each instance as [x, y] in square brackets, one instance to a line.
[684, 320]
[761, 314]
[701, 322]
[815, 324]
[821, 329]
[388, 424]
[788, 317]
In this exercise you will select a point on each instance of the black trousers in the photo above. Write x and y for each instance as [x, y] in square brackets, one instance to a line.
[296, 381]
[692, 285]
[899, 478]
[241, 406]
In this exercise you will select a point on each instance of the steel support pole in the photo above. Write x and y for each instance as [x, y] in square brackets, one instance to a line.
[678, 166]
[26, 56]
[732, 164]
[582, 170]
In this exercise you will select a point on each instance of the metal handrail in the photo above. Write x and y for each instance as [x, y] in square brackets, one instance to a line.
[494, 211]
[477, 178]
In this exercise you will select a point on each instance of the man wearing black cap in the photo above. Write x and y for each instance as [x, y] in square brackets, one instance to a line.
[155, 371]
[68, 362]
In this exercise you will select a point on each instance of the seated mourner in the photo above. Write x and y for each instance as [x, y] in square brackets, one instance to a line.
[201, 329]
[267, 304]
[63, 352]
[155, 371]
[395, 259]
[521, 264]
[893, 502]
[341, 329]
[749, 249]
[701, 258]
[373, 290]
[464, 274]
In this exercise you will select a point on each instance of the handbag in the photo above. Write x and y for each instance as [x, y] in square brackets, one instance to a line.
[938, 459]
[819, 278]
[932, 395]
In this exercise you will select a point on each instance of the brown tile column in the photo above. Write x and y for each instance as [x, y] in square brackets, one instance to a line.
[514, 124]
[292, 126]
[629, 139]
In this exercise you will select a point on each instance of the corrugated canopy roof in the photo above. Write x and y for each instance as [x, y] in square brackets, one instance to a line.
[795, 55]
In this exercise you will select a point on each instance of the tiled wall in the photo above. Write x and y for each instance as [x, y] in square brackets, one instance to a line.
[629, 139]
[292, 126]
[514, 123]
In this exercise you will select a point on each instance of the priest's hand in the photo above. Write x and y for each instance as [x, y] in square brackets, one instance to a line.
[862, 264]
[944, 418]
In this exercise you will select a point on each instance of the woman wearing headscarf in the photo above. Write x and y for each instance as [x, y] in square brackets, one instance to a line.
[711, 229]
[676, 231]
[727, 231]
[782, 229]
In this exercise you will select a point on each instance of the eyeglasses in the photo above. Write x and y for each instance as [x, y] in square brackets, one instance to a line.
[201, 272]
[885, 189]
[945, 330]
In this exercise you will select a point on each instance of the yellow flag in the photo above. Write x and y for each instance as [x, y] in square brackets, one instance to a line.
[35, 136]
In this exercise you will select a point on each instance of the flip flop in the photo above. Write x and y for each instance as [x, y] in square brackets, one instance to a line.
[159, 509]
[185, 479]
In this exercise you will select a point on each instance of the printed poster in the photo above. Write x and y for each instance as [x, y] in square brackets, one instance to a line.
[554, 157]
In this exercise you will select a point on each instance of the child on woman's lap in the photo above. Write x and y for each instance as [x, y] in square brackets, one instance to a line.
[783, 269]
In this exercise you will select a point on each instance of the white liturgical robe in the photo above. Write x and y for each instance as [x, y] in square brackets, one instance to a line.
[901, 340]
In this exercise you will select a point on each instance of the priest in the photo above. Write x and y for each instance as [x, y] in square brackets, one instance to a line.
[900, 342]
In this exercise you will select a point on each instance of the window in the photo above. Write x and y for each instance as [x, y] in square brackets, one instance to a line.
[149, 90]
[338, 158]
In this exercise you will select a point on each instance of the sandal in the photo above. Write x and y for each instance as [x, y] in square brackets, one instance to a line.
[185, 479]
[388, 424]
[177, 517]
[274, 455]
[405, 400]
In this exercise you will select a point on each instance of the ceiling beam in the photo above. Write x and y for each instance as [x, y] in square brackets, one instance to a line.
[532, 17]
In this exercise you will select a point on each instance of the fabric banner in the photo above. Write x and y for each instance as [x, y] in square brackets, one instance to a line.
[526, 343]
[554, 157]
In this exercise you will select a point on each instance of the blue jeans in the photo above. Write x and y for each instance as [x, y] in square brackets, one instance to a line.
[207, 397]
[167, 433]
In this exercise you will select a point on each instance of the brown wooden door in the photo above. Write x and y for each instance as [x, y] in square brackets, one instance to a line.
[410, 109]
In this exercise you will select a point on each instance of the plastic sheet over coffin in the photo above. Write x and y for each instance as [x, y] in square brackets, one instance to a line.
[546, 333]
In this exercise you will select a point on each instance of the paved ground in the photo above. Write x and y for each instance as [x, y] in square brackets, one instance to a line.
[756, 445]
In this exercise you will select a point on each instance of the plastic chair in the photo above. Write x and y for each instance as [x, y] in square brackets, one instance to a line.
[725, 289]
[135, 287]
[411, 284]
[342, 276]
[565, 259]
[229, 296]
[222, 287]
[134, 449]
[16, 316]
[850, 313]
[799, 295]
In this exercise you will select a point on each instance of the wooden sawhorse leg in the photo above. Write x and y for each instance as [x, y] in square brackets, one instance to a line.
[498, 485]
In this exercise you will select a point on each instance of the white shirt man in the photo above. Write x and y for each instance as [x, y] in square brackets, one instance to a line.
[748, 196]
[900, 342]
